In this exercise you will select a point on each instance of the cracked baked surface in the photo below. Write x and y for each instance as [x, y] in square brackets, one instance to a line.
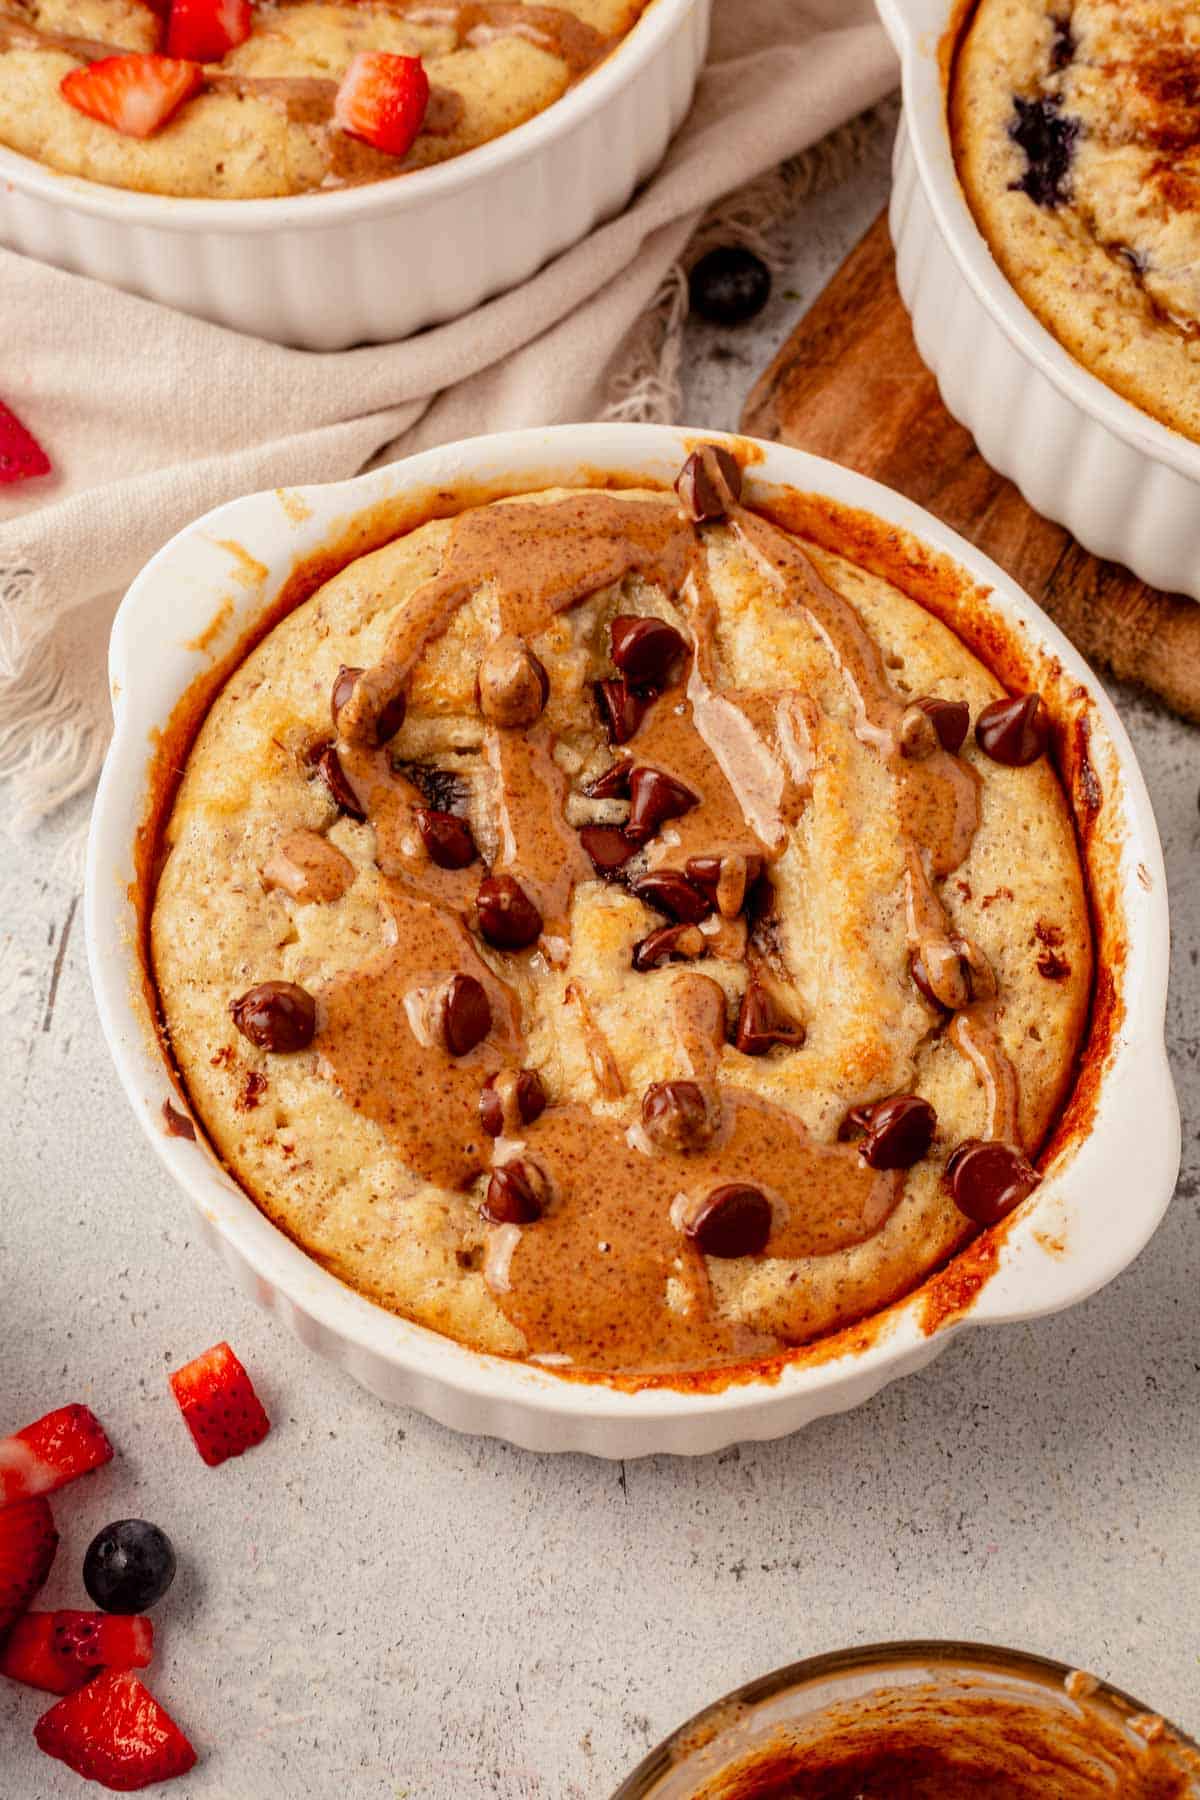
[1076, 127]
[787, 902]
[262, 124]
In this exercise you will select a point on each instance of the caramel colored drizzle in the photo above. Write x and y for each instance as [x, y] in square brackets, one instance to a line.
[606, 1278]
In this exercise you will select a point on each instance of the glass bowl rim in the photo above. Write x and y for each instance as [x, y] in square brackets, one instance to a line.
[969, 1656]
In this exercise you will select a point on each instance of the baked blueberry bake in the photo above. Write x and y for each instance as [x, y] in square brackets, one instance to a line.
[614, 929]
[1076, 128]
[223, 99]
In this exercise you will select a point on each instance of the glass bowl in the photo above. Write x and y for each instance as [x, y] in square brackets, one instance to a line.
[813, 1702]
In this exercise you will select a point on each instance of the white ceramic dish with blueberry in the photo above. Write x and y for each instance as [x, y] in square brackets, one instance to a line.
[1105, 1183]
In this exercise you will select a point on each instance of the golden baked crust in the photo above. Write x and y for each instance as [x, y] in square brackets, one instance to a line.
[262, 125]
[799, 675]
[1076, 127]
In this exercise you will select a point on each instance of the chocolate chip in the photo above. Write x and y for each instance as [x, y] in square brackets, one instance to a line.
[920, 975]
[645, 650]
[676, 1115]
[441, 789]
[761, 1022]
[177, 1123]
[508, 919]
[951, 720]
[709, 483]
[613, 784]
[988, 1178]
[668, 941]
[329, 768]
[952, 973]
[620, 708]
[608, 848]
[1014, 732]
[735, 1220]
[672, 893]
[508, 1102]
[899, 1131]
[446, 837]
[391, 714]
[276, 1015]
[466, 1014]
[512, 686]
[653, 799]
[513, 1196]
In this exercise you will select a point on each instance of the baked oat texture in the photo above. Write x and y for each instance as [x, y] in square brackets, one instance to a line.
[240, 141]
[327, 1174]
[1077, 136]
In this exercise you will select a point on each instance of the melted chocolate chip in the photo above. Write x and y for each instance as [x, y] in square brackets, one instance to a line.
[672, 893]
[505, 1105]
[951, 720]
[988, 1179]
[1014, 732]
[329, 768]
[676, 1116]
[391, 716]
[466, 1014]
[276, 1015]
[1062, 48]
[898, 1130]
[620, 708]
[735, 1220]
[645, 650]
[920, 975]
[653, 799]
[177, 1123]
[762, 1023]
[508, 919]
[513, 1196]
[709, 483]
[608, 848]
[613, 784]
[668, 941]
[446, 837]
[512, 686]
[1048, 141]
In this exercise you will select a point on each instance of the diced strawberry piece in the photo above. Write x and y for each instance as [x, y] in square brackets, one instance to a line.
[52, 1451]
[28, 1541]
[219, 1405]
[27, 1654]
[114, 1731]
[21, 456]
[382, 99]
[96, 1640]
[134, 94]
[59, 1651]
[206, 30]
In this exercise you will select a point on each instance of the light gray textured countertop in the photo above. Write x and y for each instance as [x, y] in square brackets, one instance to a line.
[371, 1606]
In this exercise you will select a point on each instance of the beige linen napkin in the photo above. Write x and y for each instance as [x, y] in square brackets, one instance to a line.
[151, 417]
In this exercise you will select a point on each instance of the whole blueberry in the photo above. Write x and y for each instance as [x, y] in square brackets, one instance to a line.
[129, 1565]
[729, 285]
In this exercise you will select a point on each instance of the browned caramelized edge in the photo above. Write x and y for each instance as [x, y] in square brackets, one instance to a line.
[934, 582]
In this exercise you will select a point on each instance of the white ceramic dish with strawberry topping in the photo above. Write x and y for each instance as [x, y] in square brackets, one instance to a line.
[1107, 1172]
[1123, 483]
[410, 250]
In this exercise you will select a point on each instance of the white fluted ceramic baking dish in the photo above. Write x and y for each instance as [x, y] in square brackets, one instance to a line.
[374, 263]
[1103, 1194]
[1125, 485]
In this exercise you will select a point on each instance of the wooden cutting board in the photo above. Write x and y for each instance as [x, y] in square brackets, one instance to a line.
[849, 384]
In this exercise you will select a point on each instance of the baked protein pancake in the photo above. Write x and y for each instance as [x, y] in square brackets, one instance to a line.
[1076, 129]
[260, 121]
[611, 930]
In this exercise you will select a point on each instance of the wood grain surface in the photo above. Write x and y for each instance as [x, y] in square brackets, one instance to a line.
[849, 384]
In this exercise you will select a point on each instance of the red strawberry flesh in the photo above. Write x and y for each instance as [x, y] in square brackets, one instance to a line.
[382, 99]
[206, 30]
[53, 1450]
[219, 1405]
[61, 1650]
[21, 456]
[114, 1731]
[27, 1654]
[28, 1541]
[134, 94]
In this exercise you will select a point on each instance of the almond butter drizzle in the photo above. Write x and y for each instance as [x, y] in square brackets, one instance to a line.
[605, 1278]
